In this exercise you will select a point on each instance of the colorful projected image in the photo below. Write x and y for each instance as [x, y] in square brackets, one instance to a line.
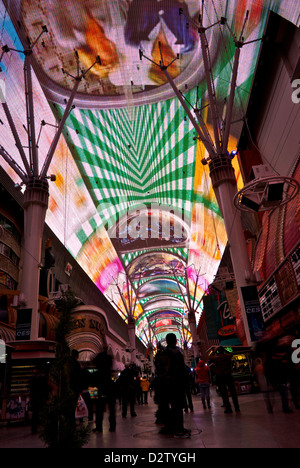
[156, 315]
[161, 337]
[158, 287]
[99, 259]
[155, 264]
[114, 31]
[163, 323]
[163, 302]
[147, 229]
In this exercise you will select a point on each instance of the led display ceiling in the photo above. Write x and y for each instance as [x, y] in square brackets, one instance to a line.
[131, 195]
[95, 29]
[155, 264]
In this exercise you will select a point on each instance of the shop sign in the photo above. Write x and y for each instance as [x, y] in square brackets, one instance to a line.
[23, 327]
[78, 323]
[269, 299]
[224, 311]
[219, 320]
[253, 312]
[286, 282]
[282, 287]
[227, 330]
[87, 323]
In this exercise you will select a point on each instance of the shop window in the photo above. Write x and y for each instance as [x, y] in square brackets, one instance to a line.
[7, 281]
[10, 227]
[9, 253]
[241, 364]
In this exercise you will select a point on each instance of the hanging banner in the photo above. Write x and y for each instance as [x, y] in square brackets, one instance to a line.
[23, 324]
[253, 312]
[219, 321]
[212, 316]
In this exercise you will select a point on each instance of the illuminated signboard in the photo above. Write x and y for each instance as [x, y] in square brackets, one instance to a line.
[282, 287]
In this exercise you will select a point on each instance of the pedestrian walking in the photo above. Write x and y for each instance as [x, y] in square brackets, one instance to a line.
[224, 380]
[106, 391]
[145, 385]
[127, 386]
[202, 371]
[173, 386]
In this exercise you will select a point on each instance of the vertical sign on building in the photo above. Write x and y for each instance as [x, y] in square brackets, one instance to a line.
[23, 324]
[253, 311]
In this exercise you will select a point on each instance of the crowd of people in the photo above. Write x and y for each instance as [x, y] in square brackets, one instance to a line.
[174, 384]
[275, 370]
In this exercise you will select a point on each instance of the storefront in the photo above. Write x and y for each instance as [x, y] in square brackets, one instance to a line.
[91, 332]
[242, 368]
[20, 359]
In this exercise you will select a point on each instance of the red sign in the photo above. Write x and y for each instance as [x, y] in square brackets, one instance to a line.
[228, 330]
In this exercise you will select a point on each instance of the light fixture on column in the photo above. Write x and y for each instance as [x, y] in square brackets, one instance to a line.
[275, 191]
[265, 191]
[249, 203]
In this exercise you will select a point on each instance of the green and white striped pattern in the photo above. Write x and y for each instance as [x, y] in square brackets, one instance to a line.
[147, 158]
[124, 163]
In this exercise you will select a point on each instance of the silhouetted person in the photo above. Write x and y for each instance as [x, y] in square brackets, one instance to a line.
[173, 387]
[127, 386]
[39, 392]
[106, 391]
[224, 379]
[281, 371]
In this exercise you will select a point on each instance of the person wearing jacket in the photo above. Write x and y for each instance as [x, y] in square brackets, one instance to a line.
[173, 384]
[204, 384]
[224, 380]
[145, 385]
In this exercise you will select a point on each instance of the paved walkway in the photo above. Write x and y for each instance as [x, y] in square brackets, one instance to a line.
[253, 427]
